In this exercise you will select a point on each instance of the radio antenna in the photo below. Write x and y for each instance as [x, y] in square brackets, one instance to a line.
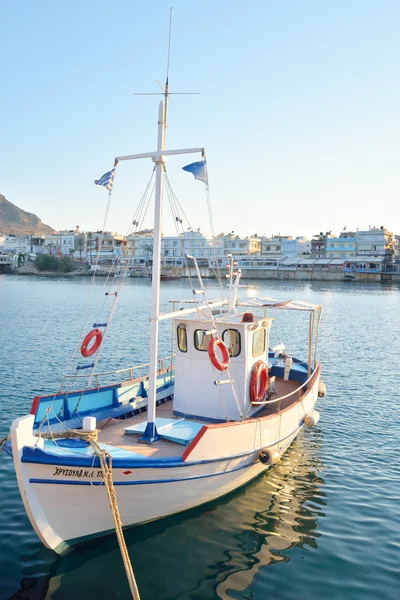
[165, 91]
[166, 79]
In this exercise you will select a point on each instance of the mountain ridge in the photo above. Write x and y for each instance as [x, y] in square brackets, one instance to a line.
[15, 220]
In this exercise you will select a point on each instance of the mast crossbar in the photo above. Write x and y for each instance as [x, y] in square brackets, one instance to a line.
[157, 154]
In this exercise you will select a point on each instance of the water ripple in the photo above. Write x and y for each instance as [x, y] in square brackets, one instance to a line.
[323, 523]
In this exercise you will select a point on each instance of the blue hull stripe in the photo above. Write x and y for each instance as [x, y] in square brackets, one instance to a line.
[143, 481]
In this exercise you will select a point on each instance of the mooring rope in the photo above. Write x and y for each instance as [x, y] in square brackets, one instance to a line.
[3, 441]
[105, 459]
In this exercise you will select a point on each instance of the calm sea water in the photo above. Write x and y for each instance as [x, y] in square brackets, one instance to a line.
[323, 523]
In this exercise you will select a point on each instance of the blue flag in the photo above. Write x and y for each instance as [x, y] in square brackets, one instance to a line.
[199, 170]
[107, 180]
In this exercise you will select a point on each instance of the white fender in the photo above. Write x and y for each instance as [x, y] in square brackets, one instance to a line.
[321, 389]
[312, 418]
[269, 457]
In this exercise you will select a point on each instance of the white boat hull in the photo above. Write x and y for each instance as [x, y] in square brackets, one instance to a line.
[68, 504]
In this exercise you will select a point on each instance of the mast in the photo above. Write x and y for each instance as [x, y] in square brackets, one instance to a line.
[150, 434]
[159, 158]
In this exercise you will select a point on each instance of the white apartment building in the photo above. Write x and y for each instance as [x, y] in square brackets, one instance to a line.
[272, 247]
[17, 244]
[377, 241]
[24, 244]
[109, 245]
[174, 248]
[237, 246]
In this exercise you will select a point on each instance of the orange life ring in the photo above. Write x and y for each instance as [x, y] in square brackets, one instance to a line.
[95, 333]
[213, 344]
[258, 381]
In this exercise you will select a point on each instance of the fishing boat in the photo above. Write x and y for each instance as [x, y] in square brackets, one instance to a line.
[190, 429]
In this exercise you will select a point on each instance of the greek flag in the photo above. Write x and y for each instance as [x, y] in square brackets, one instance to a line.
[199, 170]
[107, 180]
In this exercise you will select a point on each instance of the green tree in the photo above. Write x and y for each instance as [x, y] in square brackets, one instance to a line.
[21, 259]
[66, 264]
[148, 249]
[50, 246]
[90, 238]
[46, 262]
[79, 244]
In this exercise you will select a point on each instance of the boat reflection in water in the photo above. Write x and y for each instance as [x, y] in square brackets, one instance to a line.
[208, 552]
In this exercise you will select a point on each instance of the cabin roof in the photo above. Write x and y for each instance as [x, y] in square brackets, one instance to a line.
[229, 319]
[267, 302]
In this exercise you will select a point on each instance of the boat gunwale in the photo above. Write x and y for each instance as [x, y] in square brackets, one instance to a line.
[43, 457]
[38, 456]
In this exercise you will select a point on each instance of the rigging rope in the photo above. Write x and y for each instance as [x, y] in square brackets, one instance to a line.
[95, 313]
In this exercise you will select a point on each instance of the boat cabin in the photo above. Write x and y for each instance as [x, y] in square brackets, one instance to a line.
[201, 390]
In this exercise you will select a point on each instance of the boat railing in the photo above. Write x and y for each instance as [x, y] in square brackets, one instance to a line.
[309, 381]
[162, 369]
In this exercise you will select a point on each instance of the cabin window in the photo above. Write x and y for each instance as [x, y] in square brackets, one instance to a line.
[182, 337]
[258, 342]
[231, 339]
[201, 340]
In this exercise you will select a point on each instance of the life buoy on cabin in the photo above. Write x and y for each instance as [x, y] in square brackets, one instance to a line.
[85, 350]
[258, 381]
[213, 344]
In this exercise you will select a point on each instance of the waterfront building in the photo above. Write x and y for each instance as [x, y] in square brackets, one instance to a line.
[344, 246]
[259, 263]
[67, 242]
[272, 247]
[285, 247]
[237, 246]
[376, 242]
[367, 264]
[297, 247]
[23, 244]
[397, 249]
[17, 244]
[52, 244]
[319, 244]
[109, 245]
[174, 248]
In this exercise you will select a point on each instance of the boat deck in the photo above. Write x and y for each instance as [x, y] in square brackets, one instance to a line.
[112, 431]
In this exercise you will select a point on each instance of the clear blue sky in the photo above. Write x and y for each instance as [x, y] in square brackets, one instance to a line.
[299, 109]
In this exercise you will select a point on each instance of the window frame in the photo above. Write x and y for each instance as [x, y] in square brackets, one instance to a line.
[194, 340]
[240, 341]
[265, 341]
[181, 325]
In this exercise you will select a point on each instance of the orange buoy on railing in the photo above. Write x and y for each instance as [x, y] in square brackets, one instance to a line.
[213, 344]
[258, 381]
[97, 336]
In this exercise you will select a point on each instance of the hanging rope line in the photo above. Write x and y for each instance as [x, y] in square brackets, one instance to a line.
[105, 460]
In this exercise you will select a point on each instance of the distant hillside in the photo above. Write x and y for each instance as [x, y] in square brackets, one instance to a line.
[15, 220]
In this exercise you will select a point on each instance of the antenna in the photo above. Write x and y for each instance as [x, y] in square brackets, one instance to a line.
[166, 79]
[165, 91]
[169, 40]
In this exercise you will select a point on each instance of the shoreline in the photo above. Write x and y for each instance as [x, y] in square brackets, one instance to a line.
[274, 276]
